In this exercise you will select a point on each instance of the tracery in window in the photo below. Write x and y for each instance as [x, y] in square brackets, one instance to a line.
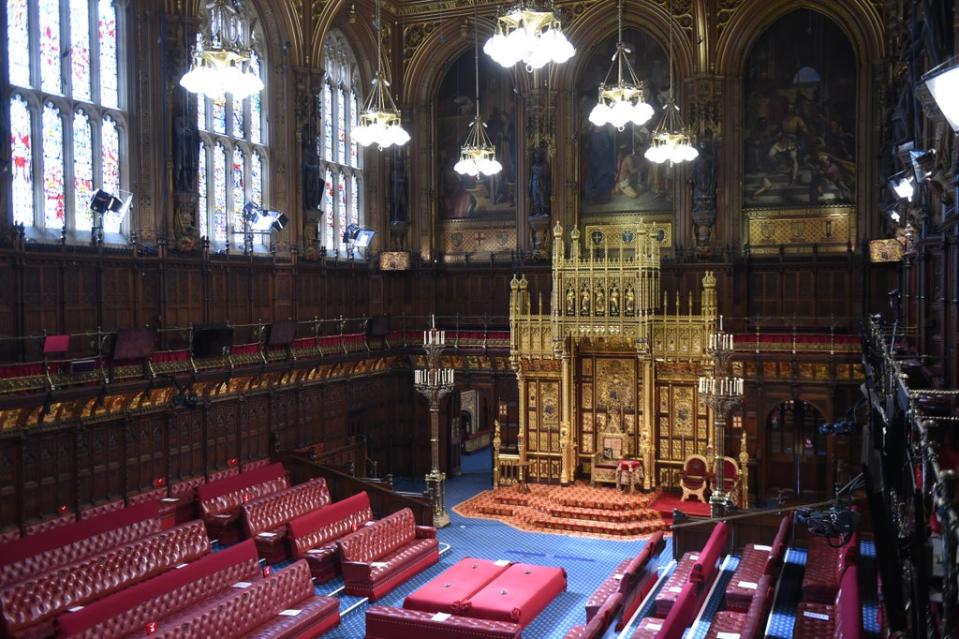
[67, 125]
[339, 102]
[234, 132]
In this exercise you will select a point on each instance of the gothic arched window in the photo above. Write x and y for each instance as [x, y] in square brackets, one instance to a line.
[339, 104]
[67, 115]
[233, 160]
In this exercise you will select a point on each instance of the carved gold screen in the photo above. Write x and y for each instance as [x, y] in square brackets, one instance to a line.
[607, 400]
[681, 428]
[542, 420]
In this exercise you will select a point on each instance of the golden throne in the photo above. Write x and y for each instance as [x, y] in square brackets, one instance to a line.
[694, 478]
[610, 450]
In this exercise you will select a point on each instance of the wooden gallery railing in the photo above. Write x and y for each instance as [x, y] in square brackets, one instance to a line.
[383, 500]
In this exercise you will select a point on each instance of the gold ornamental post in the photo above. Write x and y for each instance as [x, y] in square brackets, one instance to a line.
[434, 383]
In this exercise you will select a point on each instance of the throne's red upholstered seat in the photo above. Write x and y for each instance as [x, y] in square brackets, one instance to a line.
[694, 478]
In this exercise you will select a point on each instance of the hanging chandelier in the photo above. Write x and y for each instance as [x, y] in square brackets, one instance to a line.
[529, 35]
[671, 141]
[625, 101]
[221, 59]
[477, 155]
[380, 122]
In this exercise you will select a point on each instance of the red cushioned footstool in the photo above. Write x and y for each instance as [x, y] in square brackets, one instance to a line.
[518, 594]
[450, 591]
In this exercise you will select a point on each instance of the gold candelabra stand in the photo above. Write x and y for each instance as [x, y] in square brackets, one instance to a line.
[434, 383]
[722, 392]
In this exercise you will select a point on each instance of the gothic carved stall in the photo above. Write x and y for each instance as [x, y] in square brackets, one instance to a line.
[611, 362]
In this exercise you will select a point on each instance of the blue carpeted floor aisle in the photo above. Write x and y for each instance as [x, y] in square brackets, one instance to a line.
[587, 561]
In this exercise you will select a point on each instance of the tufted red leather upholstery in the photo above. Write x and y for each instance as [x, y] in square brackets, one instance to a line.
[383, 622]
[50, 524]
[842, 619]
[257, 463]
[65, 544]
[749, 624]
[269, 514]
[744, 583]
[669, 593]
[642, 576]
[255, 611]
[131, 609]
[150, 495]
[220, 501]
[597, 625]
[613, 583]
[29, 606]
[11, 534]
[378, 557]
[313, 536]
[223, 473]
[88, 512]
[825, 566]
[681, 614]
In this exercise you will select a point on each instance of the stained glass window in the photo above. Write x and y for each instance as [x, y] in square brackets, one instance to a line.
[62, 150]
[202, 188]
[235, 130]
[80, 49]
[21, 154]
[82, 170]
[18, 42]
[219, 194]
[53, 180]
[49, 14]
[339, 107]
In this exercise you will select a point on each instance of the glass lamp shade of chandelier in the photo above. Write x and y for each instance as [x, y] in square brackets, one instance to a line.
[477, 155]
[533, 37]
[380, 121]
[621, 104]
[221, 59]
[671, 143]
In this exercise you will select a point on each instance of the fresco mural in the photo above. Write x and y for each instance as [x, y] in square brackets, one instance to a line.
[614, 175]
[800, 105]
[463, 196]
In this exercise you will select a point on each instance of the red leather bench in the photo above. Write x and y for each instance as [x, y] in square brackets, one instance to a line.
[748, 624]
[280, 605]
[313, 536]
[179, 506]
[841, 619]
[450, 591]
[382, 555]
[680, 616]
[704, 569]
[383, 622]
[72, 542]
[266, 517]
[131, 609]
[643, 576]
[756, 561]
[600, 621]
[220, 501]
[825, 566]
[30, 606]
[518, 594]
[669, 593]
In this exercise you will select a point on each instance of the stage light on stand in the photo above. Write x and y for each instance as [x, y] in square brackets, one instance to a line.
[943, 83]
[357, 237]
[903, 186]
[104, 204]
[261, 220]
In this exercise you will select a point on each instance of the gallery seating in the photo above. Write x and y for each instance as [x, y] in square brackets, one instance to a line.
[633, 578]
[282, 604]
[385, 553]
[266, 517]
[30, 606]
[451, 591]
[748, 624]
[66, 544]
[313, 536]
[756, 561]
[840, 619]
[825, 566]
[694, 478]
[221, 501]
[156, 599]
[386, 622]
[680, 616]
[601, 620]
[693, 567]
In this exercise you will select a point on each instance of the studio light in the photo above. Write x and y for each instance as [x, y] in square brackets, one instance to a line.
[529, 35]
[263, 220]
[943, 84]
[358, 237]
[221, 59]
[923, 163]
[903, 185]
[623, 102]
[477, 155]
[380, 122]
[103, 204]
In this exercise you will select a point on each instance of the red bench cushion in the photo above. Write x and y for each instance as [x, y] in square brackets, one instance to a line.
[705, 567]
[613, 583]
[383, 622]
[226, 495]
[745, 581]
[518, 594]
[670, 591]
[271, 511]
[329, 523]
[451, 590]
[379, 539]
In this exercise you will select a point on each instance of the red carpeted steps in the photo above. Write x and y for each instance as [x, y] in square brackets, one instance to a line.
[613, 529]
[600, 513]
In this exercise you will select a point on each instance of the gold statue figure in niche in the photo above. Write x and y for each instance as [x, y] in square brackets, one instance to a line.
[614, 300]
[630, 296]
[570, 301]
[600, 301]
[584, 301]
